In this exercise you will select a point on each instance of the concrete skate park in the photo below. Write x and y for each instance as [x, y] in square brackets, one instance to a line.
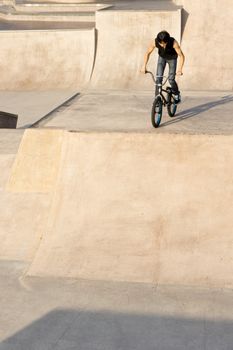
[114, 235]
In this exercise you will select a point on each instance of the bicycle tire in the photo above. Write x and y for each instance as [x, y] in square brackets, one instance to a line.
[156, 112]
[171, 106]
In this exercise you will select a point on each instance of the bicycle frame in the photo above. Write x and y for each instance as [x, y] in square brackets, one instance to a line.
[160, 86]
[165, 101]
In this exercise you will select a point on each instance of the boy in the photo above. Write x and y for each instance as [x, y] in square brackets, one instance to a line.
[168, 50]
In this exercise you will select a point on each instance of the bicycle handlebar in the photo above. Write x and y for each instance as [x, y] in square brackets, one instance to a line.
[158, 76]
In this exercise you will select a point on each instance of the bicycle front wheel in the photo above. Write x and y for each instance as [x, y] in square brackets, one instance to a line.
[156, 112]
[171, 106]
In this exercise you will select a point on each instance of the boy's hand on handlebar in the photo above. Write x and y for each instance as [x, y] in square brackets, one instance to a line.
[143, 70]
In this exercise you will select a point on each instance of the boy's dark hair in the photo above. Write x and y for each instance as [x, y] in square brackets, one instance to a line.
[163, 36]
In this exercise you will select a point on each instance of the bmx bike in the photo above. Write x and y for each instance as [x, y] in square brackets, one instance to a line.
[162, 100]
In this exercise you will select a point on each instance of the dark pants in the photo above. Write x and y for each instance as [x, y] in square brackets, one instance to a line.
[172, 73]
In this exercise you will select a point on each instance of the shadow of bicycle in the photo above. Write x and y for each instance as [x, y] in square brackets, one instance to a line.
[197, 110]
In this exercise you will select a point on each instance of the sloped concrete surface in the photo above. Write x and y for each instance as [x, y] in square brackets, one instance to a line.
[37, 163]
[123, 204]
[22, 215]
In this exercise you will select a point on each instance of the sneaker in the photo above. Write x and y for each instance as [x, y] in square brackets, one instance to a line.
[177, 98]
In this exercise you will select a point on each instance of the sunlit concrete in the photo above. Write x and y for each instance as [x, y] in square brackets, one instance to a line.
[204, 25]
[46, 59]
[102, 190]
[85, 55]
[131, 27]
[115, 235]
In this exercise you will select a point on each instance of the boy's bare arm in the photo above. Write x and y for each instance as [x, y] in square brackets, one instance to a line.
[147, 56]
[181, 58]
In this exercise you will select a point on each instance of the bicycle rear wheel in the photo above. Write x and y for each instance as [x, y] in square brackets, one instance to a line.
[171, 106]
[156, 112]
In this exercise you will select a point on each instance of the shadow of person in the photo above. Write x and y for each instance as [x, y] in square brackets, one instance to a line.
[197, 110]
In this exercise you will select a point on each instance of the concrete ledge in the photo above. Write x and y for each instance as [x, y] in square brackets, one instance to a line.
[57, 17]
[56, 7]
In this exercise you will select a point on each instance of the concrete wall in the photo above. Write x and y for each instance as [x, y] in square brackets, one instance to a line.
[207, 43]
[32, 60]
[42, 60]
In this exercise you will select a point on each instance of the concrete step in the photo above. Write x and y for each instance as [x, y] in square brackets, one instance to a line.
[62, 7]
[48, 16]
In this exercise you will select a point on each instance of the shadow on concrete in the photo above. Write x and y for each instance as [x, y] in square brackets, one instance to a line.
[184, 19]
[197, 110]
[104, 330]
[49, 115]
[43, 25]
[26, 126]
[95, 52]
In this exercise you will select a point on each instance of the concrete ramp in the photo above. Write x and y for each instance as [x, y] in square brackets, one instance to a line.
[26, 188]
[123, 38]
[139, 207]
